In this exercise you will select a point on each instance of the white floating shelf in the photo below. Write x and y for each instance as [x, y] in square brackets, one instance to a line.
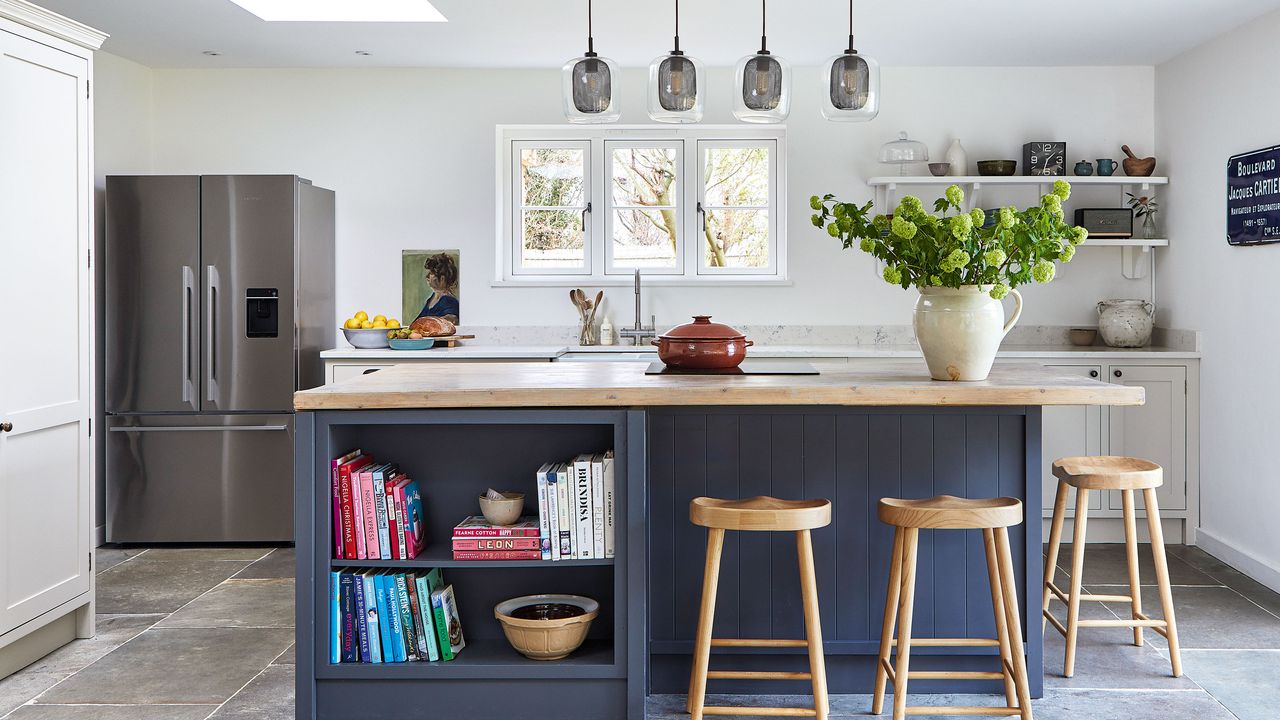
[887, 180]
[1126, 242]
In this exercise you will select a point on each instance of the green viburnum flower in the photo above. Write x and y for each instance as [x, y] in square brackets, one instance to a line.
[1053, 204]
[867, 245]
[995, 258]
[1078, 235]
[1068, 252]
[935, 280]
[910, 204]
[880, 222]
[961, 225]
[817, 220]
[954, 261]
[892, 275]
[839, 210]
[815, 202]
[1062, 189]
[845, 224]
[1007, 218]
[833, 230]
[979, 217]
[1043, 271]
[999, 290]
[903, 228]
[954, 194]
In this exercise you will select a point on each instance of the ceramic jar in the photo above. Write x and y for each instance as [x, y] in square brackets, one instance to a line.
[958, 158]
[1126, 323]
[959, 330]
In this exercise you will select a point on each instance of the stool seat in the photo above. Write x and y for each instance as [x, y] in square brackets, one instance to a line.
[761, 513]
[947, 512]
[1108, 472]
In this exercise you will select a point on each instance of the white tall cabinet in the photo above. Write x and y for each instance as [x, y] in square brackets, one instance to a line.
[46, 381]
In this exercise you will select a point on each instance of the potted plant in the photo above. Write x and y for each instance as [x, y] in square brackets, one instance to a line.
[962, 264]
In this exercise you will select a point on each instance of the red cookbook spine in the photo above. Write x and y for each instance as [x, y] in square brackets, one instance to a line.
[532, 543]
[497, 554]
[474, 532]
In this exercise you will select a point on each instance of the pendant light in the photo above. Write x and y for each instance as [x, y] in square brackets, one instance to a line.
[762, 83]
[588, 85]
[677, 84]
[851, 91]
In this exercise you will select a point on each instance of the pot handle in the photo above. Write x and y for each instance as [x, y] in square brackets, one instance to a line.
[1098, 307]
[1150, 307]
[748, 343]
[1017, 312]
[655, 342]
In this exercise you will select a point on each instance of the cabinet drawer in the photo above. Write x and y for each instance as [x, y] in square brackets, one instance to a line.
[338, 373]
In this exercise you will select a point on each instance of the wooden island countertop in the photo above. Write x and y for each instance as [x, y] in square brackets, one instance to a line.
[624, 384]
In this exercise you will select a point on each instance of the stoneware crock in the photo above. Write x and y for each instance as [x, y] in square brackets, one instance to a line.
[960, 329]
[702, 345]
[546, 639]
[1126, 323]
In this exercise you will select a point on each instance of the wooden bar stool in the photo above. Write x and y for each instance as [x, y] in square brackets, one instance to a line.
[1126, 475]
[993, 516]
[763, 514]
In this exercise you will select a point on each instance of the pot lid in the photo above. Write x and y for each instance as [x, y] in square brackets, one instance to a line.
[702, 329]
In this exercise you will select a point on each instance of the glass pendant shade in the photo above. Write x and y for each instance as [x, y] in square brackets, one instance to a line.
[852, 88]
[588, 90]
[677, 86]
[762, 89]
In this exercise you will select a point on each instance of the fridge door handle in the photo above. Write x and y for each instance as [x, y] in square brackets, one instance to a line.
[211, 335]
[188, 293]
[200, 428]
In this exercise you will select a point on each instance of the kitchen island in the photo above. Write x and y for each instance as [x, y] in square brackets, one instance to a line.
[852, 436]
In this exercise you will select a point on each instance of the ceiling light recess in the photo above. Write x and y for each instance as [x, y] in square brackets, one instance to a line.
[343, 10]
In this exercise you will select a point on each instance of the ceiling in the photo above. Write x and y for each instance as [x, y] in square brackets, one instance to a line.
[546, 33]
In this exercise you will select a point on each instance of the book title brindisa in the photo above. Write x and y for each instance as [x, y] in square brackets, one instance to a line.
[1264, 186]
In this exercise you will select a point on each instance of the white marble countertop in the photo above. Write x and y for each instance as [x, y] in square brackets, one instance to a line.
[552, 352]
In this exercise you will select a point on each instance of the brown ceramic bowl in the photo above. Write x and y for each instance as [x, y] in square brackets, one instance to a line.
[702, 345]
[997, 167]
[546, 627]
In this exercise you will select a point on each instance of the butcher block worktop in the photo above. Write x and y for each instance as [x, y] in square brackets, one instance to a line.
[624, 384]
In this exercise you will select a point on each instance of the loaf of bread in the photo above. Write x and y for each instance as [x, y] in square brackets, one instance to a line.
[433, 327]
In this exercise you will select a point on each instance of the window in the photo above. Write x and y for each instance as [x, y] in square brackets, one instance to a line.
[681, 206]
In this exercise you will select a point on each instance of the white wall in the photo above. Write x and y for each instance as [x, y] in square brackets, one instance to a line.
[1211, 103]
[411, 156]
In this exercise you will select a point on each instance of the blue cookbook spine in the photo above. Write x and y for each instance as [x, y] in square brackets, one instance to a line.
[393, 613]
[350, 643]
[371, 613]
[335, 620]
[362, 619]
[384, 617]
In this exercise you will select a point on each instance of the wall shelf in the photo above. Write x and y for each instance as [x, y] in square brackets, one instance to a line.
[893, 180]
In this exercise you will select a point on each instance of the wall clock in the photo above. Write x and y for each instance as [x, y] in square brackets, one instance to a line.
[1044, 158]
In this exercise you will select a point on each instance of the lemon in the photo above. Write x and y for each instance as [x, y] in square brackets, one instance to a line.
[393, 323]
[361, 316]
[379, 324]
[379, 318]
[351, 324]
[367, 324]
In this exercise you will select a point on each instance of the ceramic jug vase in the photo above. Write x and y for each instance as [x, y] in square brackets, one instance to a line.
[1126, 323]
[959, 330]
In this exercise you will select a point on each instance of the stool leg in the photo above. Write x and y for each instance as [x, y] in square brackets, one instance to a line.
[1013, 622]
[1131, 550]
[890, 617]
[1077, 576]
[1055, 540]
[1162, 577]
[997, 604]
[812, 623]
[911, 542]
[706, 618]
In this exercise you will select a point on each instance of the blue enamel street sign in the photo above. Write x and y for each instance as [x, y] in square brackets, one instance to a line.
[1253, 197]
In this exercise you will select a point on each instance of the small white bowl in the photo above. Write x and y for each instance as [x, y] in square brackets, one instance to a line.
[505, 511]
[368, 338]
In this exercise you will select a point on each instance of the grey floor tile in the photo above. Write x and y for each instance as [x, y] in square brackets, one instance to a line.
[106, 557]
[175, 666]
[20, 687]
[1107, 564]
[1265, 597]
[288, 657]
[267, 697]
[241, 554]
[113, 712]
[1247, 682]
[239, 603]
[280, 563]
[112, 631]
[1106, 658]
[144, 585]
[1211, 617]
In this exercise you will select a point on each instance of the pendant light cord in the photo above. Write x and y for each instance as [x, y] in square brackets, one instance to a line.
[764, 14]
[851, 50]
[591, 41]
[677, 45]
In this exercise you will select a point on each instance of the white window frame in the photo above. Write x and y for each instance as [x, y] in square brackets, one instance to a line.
[609, 208]
[598, 227]
[518, 207]
[772, 207]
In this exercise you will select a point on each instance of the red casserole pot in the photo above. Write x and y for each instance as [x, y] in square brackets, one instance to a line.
[702, 345]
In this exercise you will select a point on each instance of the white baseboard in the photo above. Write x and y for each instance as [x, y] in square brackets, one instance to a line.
[1246, 563]
[100, 536]
[1111, 530]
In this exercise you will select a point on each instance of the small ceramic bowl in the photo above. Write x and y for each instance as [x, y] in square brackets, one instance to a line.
[368, 338]
[546, 627]
[1083, 336]
[505, 511]
[997, 167]
[408, 344]
[939, 169]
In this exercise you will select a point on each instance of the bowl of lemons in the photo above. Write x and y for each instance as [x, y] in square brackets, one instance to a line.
[363, 332]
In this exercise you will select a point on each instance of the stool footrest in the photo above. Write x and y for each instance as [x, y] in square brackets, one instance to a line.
[757, 675]
[1162, 629]
[1122, 623]
[953, 675]
[766, 642]
[757, 711]
[1064, 597]
[1057, 625]
[951, 642]
[962, 710]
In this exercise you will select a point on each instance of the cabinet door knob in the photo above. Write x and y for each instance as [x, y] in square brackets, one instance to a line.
[370, 371]
[6, 427]
[1093, 373]
[1118, 373]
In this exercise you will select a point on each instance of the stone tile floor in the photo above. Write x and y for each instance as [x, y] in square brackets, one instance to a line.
[206, 633]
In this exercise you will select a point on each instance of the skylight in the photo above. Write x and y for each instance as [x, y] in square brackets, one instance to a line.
[342, 10]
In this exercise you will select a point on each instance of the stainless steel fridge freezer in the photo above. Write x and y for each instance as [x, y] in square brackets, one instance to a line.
[218, 301]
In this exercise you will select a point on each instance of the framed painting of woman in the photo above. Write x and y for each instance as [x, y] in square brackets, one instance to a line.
[429, 284]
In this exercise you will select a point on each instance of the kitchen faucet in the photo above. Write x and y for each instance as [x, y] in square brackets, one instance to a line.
[639, 332]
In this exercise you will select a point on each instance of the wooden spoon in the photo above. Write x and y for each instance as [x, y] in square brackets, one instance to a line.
[594, 307]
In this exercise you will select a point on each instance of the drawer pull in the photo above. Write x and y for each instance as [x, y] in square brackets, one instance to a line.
[1118, 373]
[1093, 373]
[370, 371]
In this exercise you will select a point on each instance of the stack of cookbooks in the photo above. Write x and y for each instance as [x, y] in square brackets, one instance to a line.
[577, 508]
[377, 510]
[381, 616]
[477, 539]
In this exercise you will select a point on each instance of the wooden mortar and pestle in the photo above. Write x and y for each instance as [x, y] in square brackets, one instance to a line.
[1135, 166]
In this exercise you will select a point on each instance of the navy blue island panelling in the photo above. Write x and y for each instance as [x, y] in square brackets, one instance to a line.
[854, 457]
